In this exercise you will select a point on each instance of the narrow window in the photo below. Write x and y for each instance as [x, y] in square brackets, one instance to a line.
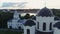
[38, 25]
[44, 26]
[10, 27]
[50, 26]
[28, 31]
[20, 28]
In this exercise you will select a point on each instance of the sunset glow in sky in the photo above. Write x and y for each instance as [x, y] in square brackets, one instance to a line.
[37, 4]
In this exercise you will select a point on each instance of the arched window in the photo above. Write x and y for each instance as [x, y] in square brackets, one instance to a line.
[38, 25]
[28, 31]
[44, 26]
[20, 28]
[10, 27]
[50, 26]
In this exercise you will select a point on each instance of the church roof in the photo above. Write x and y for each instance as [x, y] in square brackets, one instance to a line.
[21, 21]
[45, 12]
[57, 25]
[56, 18]
[34, 17]
[29, 23]
[10, 20]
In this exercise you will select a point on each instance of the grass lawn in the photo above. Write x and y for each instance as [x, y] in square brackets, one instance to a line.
[9, 32]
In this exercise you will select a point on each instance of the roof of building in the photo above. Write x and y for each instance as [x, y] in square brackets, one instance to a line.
[34, 17]
[56, 18]
[21, 21]
[45, 12]
[57, 25]
[9, 20]
[29, 23]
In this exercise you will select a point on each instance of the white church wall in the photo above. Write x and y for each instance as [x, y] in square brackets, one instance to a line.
[14, 26]
[32, 30]
[56, 31]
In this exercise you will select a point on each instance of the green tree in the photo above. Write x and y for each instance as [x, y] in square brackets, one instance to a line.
[4, 17]
[27, 16]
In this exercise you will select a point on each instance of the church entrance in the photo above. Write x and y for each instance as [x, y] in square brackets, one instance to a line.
[28, 31]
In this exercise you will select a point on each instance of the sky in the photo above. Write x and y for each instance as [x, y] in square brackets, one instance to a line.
[30, 4]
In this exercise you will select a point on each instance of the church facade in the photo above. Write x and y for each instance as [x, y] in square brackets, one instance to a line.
[45, 23]
[16, 22]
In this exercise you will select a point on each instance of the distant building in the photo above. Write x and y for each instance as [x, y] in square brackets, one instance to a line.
[16, 22]
[45, 23]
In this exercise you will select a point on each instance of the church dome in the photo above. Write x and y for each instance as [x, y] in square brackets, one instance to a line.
[29, 23]
[45, 12]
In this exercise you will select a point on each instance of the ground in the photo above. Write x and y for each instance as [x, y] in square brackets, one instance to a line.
[9, 32]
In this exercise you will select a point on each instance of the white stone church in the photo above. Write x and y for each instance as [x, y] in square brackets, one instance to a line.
[45, 23]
